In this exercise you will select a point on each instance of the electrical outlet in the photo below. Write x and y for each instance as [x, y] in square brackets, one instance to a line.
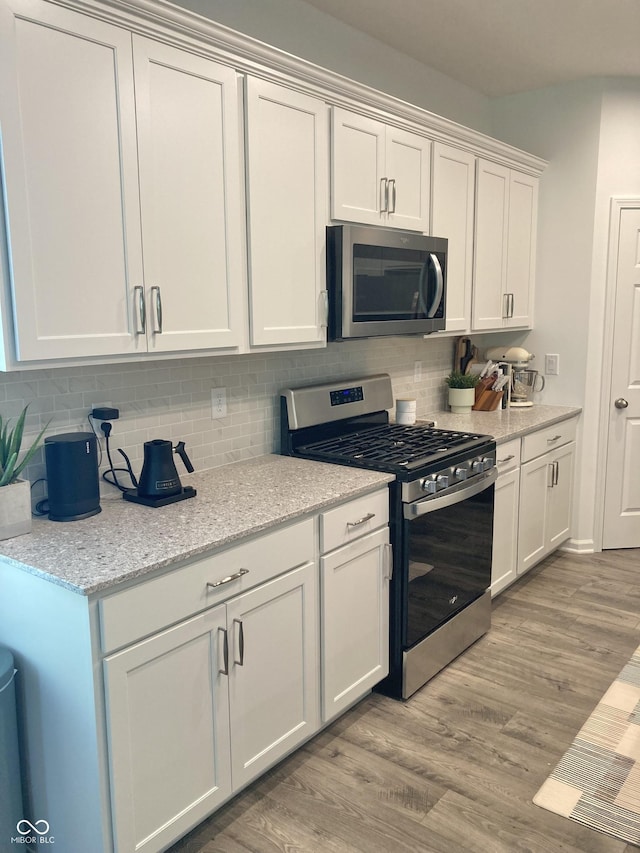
[552, 364]
[94, 421]
[218, 403]
[417, 371]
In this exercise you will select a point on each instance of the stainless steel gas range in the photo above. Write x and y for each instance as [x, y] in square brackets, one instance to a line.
[441, 515]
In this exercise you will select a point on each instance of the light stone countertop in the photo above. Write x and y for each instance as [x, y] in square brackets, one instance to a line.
[127, 540]
[505, 424]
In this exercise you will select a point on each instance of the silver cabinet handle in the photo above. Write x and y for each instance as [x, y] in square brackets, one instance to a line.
[512, 303]
[505, 306]
[362, 520]
[388, 558]
[556, 473]
[506, 459]
[324, 309]
[158, 303]
[238, 622]
[225, 653]
[621, 403]
[234, 577]
[392, 187]
[552, 440]
[141, 325]
[384, 195]
[550, 475]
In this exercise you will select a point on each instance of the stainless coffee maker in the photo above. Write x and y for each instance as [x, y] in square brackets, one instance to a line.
[524, 380]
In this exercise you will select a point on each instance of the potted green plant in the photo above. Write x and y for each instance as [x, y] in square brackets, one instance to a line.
[462, 391]
[15, 494]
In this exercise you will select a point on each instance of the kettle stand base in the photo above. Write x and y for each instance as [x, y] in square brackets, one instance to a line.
[133, 496]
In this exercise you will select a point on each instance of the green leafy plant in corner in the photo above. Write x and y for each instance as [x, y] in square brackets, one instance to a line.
[10, 445]
[461, 380]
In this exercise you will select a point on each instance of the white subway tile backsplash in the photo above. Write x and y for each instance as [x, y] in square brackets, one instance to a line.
[172, 399]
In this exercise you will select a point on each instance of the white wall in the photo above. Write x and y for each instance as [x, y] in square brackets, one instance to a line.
[589, 132]
[302, 30]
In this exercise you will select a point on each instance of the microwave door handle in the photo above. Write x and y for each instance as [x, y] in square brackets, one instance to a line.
[437, 298]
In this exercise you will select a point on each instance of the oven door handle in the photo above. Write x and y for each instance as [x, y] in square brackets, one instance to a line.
[417, 508]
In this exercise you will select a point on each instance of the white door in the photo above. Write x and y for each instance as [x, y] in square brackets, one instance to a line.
[505, 531]
[358, 191]
[191, 203]
[535, 483]
[490, 265]
[521, 247]
[273, 671]
[168, 732]
[561, 496]
[70, 166]
[355, 626]
[622, 480]
[287, 178]
[452, 216]
[408, 165]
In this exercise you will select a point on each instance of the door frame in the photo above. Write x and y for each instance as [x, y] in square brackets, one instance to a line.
[618, 204]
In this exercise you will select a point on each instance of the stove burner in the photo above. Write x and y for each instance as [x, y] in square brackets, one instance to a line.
[390, 447]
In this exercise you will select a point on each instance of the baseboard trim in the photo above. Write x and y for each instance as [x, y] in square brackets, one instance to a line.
[579, 546]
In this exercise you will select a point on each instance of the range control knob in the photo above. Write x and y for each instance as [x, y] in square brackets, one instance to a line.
[487, 463]
[442, 481]
[477, 467]
[460, 473]
[429, 486]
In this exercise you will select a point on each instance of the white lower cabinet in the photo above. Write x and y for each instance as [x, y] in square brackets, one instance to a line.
[355, 625]
[505, 518]
[214, 670]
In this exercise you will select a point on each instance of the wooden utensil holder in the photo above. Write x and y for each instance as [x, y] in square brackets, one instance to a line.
[486, 399]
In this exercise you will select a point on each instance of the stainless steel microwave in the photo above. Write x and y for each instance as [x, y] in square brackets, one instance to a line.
[384, 282]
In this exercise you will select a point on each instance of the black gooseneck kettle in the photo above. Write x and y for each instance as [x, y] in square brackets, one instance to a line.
[159, 483]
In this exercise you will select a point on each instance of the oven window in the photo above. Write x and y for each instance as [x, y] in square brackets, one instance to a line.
[449, 562]
[392, 284]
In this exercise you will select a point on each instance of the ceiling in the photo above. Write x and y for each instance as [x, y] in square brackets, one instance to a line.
[499, 47]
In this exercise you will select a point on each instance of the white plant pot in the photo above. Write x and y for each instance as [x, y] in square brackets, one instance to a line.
[461, 400]
[15, 509]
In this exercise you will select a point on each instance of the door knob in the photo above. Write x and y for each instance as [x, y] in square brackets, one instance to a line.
[621, 403]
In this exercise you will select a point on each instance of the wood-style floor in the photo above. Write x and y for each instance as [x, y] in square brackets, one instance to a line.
[456, 767]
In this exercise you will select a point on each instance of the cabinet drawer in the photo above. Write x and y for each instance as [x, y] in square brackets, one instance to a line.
[154, 604]
[351, 520]
[543, 440]
[508, 456]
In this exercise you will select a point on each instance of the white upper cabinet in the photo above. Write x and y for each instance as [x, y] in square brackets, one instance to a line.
[380, 174]
[287, 178]
[506, 219]
[73, 159]
[452, 216]
[189, 153]
[70, 168]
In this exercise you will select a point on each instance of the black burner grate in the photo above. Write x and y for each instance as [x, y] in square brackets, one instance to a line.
[392, 447]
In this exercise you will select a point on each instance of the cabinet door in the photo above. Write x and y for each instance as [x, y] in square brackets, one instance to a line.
[521, 247]
[490, 267]
[505, 531]
[168, 732]
[188, 144]
[355, 621]
[408, 168]
[561, 496]
[287, 167]
[70, 166]
[273, 671]
[452, 216]
[535, 483]
[357, 168]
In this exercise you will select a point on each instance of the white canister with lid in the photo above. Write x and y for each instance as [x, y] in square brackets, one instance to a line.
[405, 411]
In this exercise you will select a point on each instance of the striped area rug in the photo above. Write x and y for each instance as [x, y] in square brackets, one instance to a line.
[597, 781]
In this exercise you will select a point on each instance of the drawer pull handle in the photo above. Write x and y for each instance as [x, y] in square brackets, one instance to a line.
[506, 458]
[234, 577]
[225, 653]
[362, 520]
[555, 438]
[238, 622]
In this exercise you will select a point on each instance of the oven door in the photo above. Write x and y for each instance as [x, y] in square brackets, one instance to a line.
[447, 552]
